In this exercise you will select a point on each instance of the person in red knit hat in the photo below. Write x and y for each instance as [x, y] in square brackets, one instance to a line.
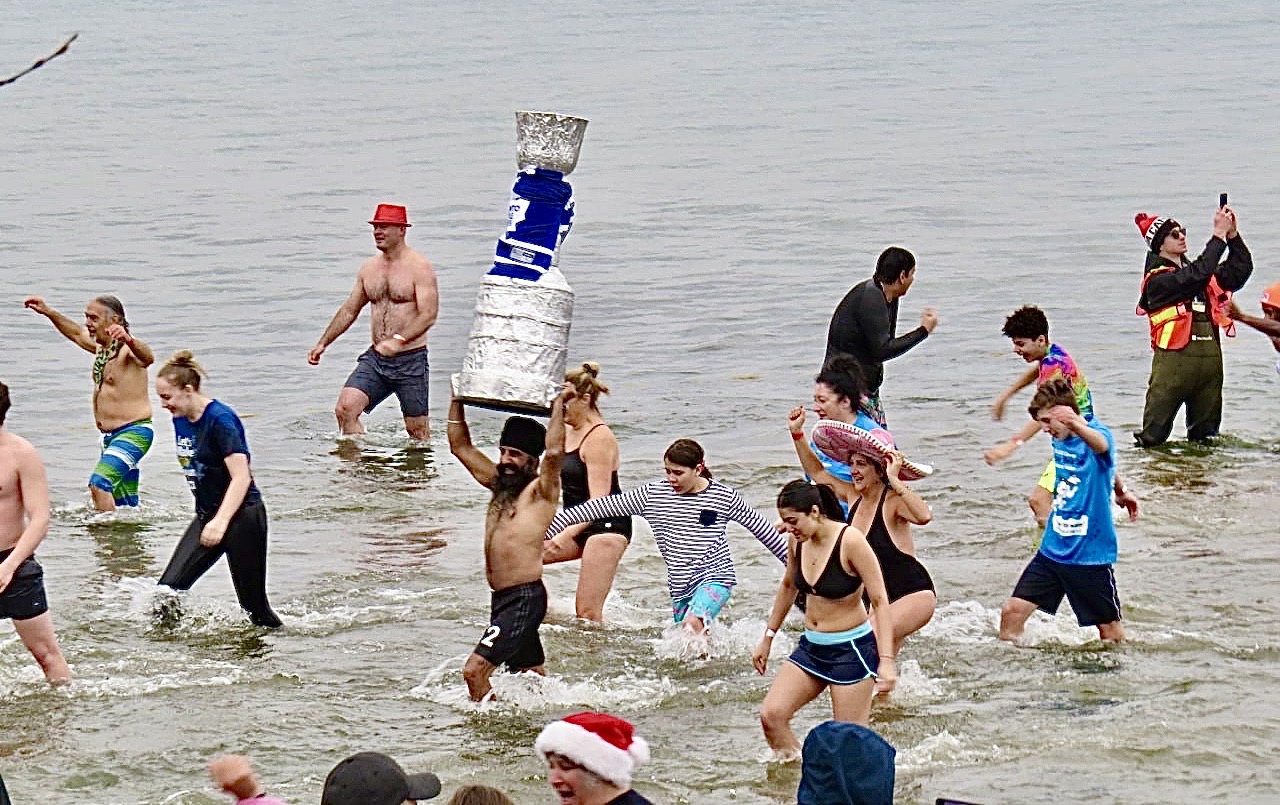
[591, 757]
[1186, 303]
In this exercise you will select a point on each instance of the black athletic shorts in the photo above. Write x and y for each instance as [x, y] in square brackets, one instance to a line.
[512, 634]
[1090, 589]
[24, 598]
[621, 525]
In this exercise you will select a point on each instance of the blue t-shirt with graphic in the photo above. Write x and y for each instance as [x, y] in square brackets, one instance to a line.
[1080, 530]
[203, 447]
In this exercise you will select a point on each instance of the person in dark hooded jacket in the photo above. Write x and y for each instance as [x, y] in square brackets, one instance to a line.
[846, 764]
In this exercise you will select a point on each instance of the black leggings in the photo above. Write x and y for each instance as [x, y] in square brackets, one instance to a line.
[245, 545]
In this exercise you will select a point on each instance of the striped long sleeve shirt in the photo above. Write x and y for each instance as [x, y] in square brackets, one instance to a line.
[689, 529]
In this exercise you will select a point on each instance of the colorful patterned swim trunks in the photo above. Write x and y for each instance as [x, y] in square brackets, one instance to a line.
[705, 603]
[117, 470]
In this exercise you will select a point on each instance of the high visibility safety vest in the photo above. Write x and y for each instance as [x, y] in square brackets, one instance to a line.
[1171, 325]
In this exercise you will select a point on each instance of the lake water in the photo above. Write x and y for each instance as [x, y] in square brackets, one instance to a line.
[214, 164]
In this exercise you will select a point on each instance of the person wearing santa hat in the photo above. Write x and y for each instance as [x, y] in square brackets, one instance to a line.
[1269, 322]
[1186, 304]
[591, 757]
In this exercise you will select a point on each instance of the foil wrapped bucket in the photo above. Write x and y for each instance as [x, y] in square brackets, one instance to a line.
[548, 140]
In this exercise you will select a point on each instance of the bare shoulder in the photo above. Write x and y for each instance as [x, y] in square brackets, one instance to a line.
[599, 442]
[18, 447]
[418, 263]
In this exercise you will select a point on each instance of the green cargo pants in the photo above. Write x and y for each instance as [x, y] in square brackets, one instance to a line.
[1191, 376]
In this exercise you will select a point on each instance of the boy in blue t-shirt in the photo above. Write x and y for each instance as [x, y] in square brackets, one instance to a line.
[1079, 544]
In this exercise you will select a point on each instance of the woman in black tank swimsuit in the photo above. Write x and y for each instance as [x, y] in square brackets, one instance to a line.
[590, 470]
[838, 651]
[884, 508]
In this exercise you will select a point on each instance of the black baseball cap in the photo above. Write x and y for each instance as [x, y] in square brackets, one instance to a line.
[372, 778]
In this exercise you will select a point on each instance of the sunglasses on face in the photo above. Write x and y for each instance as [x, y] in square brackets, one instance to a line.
[1178, 232]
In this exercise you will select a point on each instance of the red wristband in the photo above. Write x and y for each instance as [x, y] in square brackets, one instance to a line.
[797, 436]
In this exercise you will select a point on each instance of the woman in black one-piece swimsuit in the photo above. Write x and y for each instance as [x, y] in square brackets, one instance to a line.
[590, 470]
[884, 508]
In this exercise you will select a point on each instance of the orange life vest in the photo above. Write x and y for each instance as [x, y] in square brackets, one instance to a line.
[1171, 325]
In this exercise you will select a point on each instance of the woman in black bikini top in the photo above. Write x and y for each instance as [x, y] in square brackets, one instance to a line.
[835, 582]
[839, 651]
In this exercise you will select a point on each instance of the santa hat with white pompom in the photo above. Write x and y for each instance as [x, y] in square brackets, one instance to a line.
[602, 744]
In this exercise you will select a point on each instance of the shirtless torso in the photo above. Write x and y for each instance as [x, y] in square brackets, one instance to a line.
[123, 395]
[514, 529]
[18, 460]
[401, 290]
[513, 537]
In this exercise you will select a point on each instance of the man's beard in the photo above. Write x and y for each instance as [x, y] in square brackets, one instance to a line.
[509, 482]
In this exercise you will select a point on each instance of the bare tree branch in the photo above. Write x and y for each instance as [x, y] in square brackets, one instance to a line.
[42, 62]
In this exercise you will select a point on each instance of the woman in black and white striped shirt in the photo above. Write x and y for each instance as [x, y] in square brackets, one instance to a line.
[688, 513]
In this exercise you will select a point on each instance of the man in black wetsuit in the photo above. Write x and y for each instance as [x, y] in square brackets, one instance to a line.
[865, 323]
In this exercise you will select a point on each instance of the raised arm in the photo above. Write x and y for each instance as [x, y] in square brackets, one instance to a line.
[481, 467]
[1181, 283]
[138, 348]
[553, 454]
[73, 331]
[911, 507]
[343, 319]
[633, 502]
[762, 529]
[1096, 439]
[33, 488]
[809, 460]
[1238, 267]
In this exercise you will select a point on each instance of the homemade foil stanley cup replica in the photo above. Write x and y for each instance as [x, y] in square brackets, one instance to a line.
[520, 338]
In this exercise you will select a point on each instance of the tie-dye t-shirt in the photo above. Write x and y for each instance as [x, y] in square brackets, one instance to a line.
[1057, 363]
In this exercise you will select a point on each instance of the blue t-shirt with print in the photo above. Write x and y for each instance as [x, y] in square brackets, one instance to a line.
[1080, 530]
[203, 447]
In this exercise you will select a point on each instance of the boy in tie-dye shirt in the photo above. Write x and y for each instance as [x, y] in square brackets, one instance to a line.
[1028, 328]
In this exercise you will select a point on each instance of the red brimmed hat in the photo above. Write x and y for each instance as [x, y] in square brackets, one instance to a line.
[1154, 228]
[392, 214]
[602, 744]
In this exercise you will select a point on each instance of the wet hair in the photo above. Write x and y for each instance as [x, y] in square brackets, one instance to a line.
[892, 263]
[182, 370]
[1055, 392]
[586, 382]
[115, 306]
[844, 376]
[4, 402]
[800, 495]
[1027, 321]
[480, 795]
[687, 453]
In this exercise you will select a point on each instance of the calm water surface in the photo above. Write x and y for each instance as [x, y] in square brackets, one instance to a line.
[214, 166]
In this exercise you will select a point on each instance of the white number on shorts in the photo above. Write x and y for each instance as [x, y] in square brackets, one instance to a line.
[490, 635]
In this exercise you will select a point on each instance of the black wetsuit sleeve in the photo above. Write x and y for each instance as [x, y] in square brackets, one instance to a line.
[1186, 282]
[842, 333]
[1235, 272]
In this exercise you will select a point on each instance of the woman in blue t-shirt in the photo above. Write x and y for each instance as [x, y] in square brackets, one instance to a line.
[230, 517]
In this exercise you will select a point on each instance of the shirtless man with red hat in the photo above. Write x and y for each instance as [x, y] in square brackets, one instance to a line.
[401, 285]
